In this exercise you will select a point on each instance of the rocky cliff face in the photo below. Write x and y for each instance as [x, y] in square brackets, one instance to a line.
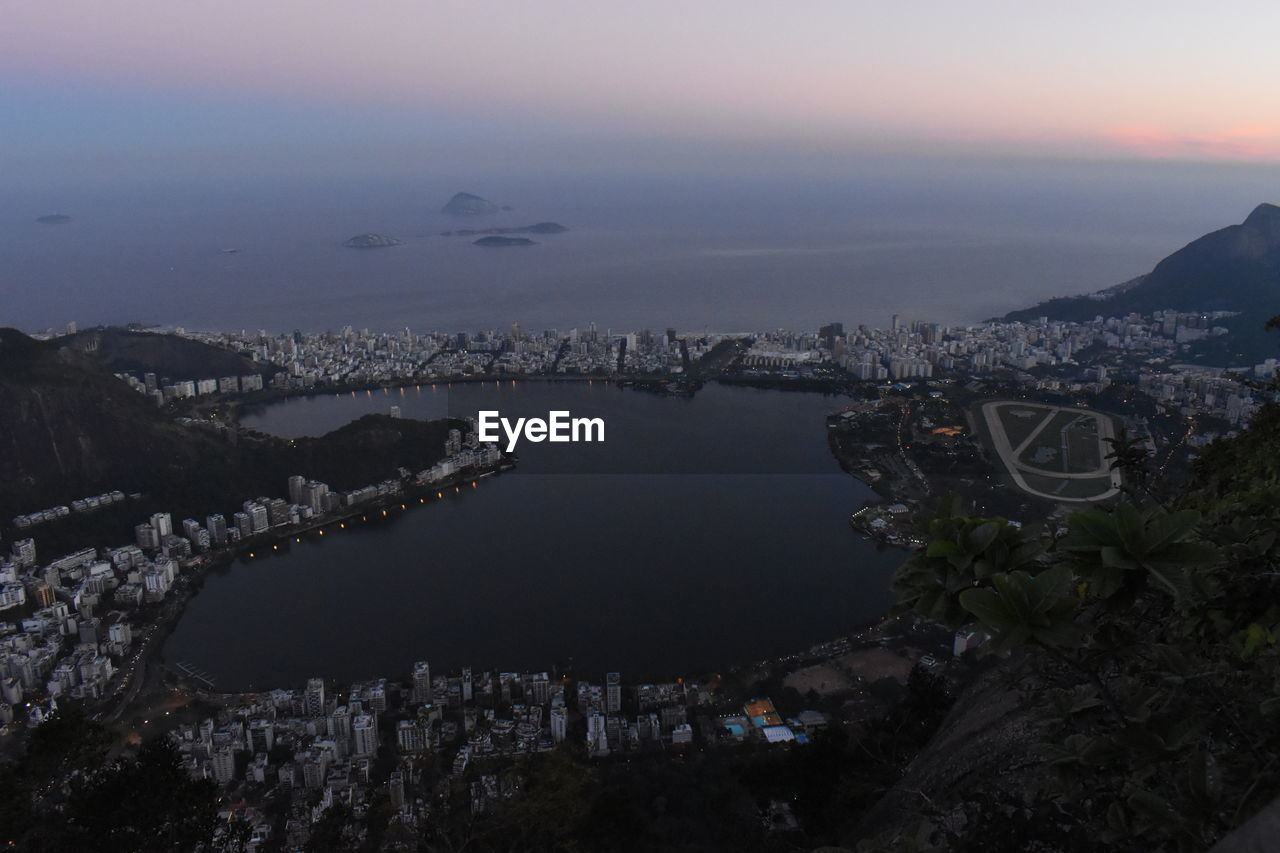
[989, 734]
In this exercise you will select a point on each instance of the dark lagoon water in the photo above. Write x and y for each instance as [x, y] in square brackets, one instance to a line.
[702, 532]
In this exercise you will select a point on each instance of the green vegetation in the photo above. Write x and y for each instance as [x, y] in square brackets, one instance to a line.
[1020, 420]
[1051, 452]
[1143, 647]
[67, 794]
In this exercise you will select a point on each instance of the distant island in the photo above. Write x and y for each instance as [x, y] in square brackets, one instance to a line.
[466, 204]
[53, 219]
[371, 241]
[537, 228]
[504, 241]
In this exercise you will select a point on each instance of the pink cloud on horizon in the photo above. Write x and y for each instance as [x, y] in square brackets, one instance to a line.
[1248, 142]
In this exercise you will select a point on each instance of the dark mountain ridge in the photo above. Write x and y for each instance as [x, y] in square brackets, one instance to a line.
[127, 351]
[1236, 268]
[69, 428]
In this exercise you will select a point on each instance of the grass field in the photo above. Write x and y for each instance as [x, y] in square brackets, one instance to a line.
[1052, 452]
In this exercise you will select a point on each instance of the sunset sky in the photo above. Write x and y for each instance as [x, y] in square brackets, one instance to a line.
[175, 78]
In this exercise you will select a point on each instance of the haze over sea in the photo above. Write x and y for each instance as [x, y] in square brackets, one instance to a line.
[952, 241]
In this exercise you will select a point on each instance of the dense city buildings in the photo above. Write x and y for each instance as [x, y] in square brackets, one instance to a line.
[78, 627]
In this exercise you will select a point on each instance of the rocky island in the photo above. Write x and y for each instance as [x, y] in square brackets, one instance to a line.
[536, 228]
[466, 204]
[504, 241]
[371, 241]
[53, 219]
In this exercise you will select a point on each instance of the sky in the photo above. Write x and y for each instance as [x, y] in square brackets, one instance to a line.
[243, 84]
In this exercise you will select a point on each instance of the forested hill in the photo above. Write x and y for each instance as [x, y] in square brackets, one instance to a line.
[69, 428]
[1236, 268]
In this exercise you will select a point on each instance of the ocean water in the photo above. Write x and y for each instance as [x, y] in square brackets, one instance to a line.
[951, 242]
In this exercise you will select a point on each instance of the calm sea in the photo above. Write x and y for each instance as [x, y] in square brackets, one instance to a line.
[943, 241]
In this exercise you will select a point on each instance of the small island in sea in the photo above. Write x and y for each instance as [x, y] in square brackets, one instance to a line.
[53, 219]
[504, 241]
[466, 204]
[371, 241]
[536, 228]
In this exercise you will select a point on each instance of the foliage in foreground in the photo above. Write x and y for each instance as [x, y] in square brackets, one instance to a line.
[66, 794]
[1148, 641]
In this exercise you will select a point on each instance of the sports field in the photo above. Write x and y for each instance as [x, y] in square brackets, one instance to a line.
[1053, 452]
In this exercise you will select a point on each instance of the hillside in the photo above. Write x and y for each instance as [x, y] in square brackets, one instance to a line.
[170, 356]
[70, 429]
[1236, 268]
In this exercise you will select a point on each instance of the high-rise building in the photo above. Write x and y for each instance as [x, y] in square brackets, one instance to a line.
[146, 537]
[378, 699]
[278, 512]
[261, 735]
[223, 762]
[559, 724]
[191, 529]
[410, 737]
[163, 524]
[597, 737]
[364, 735]
[466, 684]
[24, 552]
[395, 790]
[314, 495]
[422, 683]
[339, 724]
[44, 595]
[539, 689]
[313, 698]
[217, 529]
[612, 692]
[259, 520]
[296, 484]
